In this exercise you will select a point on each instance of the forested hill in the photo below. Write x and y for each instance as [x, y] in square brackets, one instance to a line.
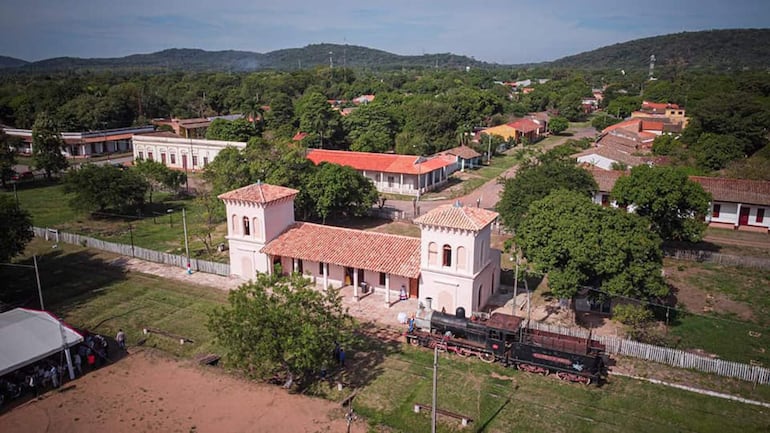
[10, 62]
[714, 49]
[286, 59]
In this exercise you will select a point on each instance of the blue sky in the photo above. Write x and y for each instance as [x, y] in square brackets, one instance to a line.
[513, 31]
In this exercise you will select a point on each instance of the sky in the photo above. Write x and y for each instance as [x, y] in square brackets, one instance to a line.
[498, 31]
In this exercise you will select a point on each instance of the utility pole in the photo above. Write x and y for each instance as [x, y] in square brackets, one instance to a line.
[131, 235]
[37, 277]
[489, 148]
[515, 283]
[435, 389]
[186, 245]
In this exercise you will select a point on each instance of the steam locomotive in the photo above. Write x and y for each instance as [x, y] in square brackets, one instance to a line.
[505, 338]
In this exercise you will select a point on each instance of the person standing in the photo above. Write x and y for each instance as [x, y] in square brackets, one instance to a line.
[121, 339]
[342, 357]
[78, 360]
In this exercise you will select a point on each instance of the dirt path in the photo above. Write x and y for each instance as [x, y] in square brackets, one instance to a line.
[738, 242]
[148, 392]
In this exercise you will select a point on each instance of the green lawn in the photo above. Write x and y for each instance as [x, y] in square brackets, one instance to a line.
[88, 293]
[157, 229]
[502, 400]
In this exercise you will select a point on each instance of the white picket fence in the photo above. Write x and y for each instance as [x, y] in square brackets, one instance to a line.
[665, 355]
[134, 251]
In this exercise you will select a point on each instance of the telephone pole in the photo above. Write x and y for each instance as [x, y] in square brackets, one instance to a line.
[435, 389]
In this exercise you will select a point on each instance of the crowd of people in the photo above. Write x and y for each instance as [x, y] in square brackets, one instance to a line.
[52, 372]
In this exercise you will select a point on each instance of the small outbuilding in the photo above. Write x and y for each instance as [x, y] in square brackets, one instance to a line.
[28, 336]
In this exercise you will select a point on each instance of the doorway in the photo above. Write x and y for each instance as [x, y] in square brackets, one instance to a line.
[743, 219]
[414, 288]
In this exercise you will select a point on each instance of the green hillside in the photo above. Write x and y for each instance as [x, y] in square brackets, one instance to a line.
[10, 62]
[200, 60]
[714, 49]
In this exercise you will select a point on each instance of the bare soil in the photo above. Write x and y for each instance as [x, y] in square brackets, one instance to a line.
[699, 301]
[149, 392]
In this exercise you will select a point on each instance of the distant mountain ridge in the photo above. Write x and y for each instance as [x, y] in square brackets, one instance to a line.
[731, 49]
[189, 59]
[10, 62]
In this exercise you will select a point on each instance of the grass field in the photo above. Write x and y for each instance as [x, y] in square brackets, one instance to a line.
[730, 309]
[157, 229]
[502, 400]
[80, 286]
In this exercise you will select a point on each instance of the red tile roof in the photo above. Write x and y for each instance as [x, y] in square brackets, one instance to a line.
[606, 179]
[458, 217]
[262, 193]
[736, 190]
[378, 252]
[632, 124]
[385, 162]
[524, 125]
[658, 106]
[648, 125]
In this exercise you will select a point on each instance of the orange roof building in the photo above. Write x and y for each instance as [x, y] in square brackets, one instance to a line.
[451, 265]
[390, 172]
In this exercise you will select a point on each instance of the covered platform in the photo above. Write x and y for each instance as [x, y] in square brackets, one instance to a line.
[28, 336]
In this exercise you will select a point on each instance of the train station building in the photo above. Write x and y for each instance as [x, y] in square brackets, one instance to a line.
[451, 265]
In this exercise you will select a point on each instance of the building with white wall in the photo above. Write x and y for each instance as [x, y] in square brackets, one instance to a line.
[89, 143]
[452, 263]
[179, 153]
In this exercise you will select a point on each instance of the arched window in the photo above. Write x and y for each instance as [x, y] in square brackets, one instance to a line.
[447, 257]
[461, 258]
[235, 225]
[432, 253]
[246, 228]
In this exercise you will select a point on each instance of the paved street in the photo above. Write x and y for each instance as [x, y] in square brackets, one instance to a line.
[488, 194]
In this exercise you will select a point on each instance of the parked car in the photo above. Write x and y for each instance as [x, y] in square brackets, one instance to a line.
[24, 175]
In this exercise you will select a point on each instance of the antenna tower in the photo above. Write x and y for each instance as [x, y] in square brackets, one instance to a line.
[652, 66]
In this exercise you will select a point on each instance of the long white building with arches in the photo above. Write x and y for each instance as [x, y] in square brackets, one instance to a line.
[450, 265]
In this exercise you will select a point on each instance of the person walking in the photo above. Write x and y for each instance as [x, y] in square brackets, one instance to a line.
[121, 339]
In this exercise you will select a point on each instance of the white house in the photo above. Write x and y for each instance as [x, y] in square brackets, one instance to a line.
[177, 152]
[86, 144]
[452, 263]
[392, 173]
[739, 204]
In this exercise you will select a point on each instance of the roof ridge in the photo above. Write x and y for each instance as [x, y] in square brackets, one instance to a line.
[358, 230]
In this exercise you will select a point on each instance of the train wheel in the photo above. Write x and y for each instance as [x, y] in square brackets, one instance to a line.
[414, 341]
[464, 353]
[587, 381]
[563, 376]
[487, 357]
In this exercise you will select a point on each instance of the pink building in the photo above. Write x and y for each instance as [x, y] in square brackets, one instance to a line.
[451, 265]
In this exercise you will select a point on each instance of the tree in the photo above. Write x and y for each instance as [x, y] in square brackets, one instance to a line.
[557, 125]
[535, 181]
[340, 191]
[228, 171]
[16, 229]
[233, 130]
[603, 121]
[674, 205]
[579, 243]
[715, 151]
[370, 128]
[101, 187]
[213, 214]
[158, 176]
[665, 144]
[316, 115]
[280, 325]
[47, 146]
[623, 106]
[8, 149]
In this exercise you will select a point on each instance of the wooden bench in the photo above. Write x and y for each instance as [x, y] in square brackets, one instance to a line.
[208, 359]
[464, 420]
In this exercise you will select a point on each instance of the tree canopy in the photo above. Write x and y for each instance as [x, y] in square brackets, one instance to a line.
[15, 230]
[47, 146]
[557, 125]
[102, 187]
[8, 149]
[233, 130]
[579, 243]
[674, 205]
[535, 181]
[280, 325]
[158, 176]
[338, 190]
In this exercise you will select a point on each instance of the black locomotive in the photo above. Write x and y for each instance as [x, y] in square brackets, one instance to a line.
[505, 338]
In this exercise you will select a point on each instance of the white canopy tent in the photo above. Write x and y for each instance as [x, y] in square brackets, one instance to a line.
[27, 336]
